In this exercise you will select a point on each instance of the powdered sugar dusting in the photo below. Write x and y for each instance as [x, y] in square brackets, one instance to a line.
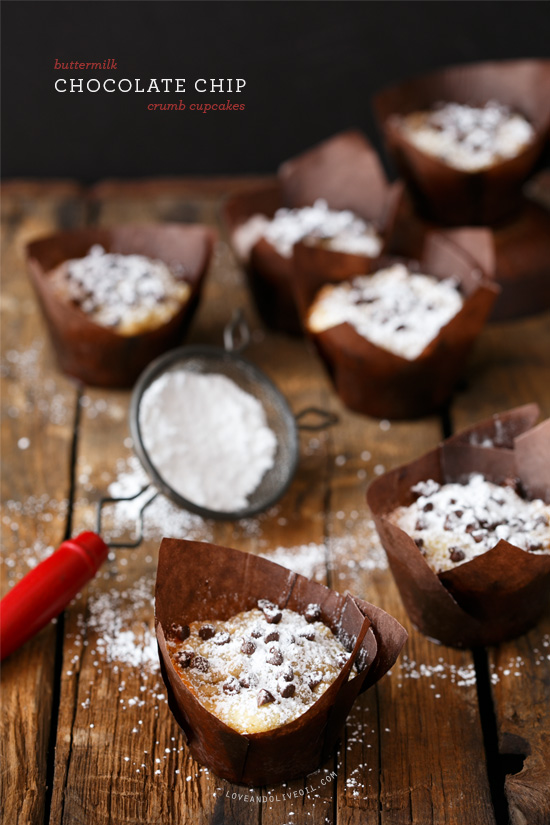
[469, 137]
[398, 310]
[454, 523]
[340, 230]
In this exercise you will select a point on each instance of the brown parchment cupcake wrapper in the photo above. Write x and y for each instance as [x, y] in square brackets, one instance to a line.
[450, 195]
[198, 581]
[374, 381]
[515, 254]
[497, 595]
[343, 170]
[98, 355]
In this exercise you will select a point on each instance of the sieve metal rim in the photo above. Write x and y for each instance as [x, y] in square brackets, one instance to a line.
[205, 351]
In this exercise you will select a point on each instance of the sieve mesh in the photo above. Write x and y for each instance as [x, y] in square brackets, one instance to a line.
[213, 360]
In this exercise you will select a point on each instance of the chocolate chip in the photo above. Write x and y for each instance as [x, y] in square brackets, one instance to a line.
[198, 662]
[184, 657]
[256, 633]
[452, 501]
[248, 647]
[341, 659]
[459, 513]
[315, 678]
[207, 631]
[307, 634]
[222, 637]
[448, 523]
[276, 657]
[477, 537]
[534, 547]
[181, 631]
[287, 690]
[471, 527]
[248, 680]
[312, 613]
[419, 543]
[271, 612]
[420, 524]
[288, 674]
[272, 636]
[456, 554]
[265, 697]
[428, 507]
[400, 327]
[231, 686]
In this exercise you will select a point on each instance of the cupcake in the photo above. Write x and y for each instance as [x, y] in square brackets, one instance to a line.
[262, 665]
[334, 199]
[467, 137]
[467, 530]
[115, 299]
[395, 341]
[515, 254]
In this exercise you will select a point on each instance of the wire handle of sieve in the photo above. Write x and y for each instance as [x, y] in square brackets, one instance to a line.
[236, 335]
[116, 545]
[327, 419]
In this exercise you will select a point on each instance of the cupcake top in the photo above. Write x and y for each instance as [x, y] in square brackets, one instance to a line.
[394, 308]
[469, 138]
[130, 294]
[453, 523]
[339, 230]
[261, 668]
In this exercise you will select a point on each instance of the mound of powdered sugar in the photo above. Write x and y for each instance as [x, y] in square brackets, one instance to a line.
[395, 309]
[208, 438]
[340, 228]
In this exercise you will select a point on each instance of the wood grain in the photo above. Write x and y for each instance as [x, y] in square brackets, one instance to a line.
[413, 750]
[37, 410]
[512, 366]
[422, 719]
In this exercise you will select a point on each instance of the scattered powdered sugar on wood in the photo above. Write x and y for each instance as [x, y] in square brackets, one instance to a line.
[307, 560]
[396, 309]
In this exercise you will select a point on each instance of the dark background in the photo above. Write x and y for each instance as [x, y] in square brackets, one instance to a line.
[311, 69]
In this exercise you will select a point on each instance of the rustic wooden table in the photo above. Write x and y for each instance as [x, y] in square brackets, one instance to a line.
[87, 735]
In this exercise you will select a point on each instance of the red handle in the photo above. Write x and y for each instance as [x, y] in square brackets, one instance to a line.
[48, 588]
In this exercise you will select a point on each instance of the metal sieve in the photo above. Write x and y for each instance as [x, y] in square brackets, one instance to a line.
[228, 361]
[47, 589]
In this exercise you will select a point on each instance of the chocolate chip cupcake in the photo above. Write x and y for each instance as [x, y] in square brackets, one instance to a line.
[395, 341]
[261, 668]
[262, 665]
[116, 298]
[466, 530]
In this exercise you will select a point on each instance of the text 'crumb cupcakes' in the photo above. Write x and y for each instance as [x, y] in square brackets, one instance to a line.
[114, 299]
[467, 530]
[262, 665]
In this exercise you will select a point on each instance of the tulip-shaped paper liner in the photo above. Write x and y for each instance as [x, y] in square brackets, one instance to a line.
[198, 581]
[98, 355]
[501, 593]
[515, 254]
[375, 381]
[344, 171]
[454, 196]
